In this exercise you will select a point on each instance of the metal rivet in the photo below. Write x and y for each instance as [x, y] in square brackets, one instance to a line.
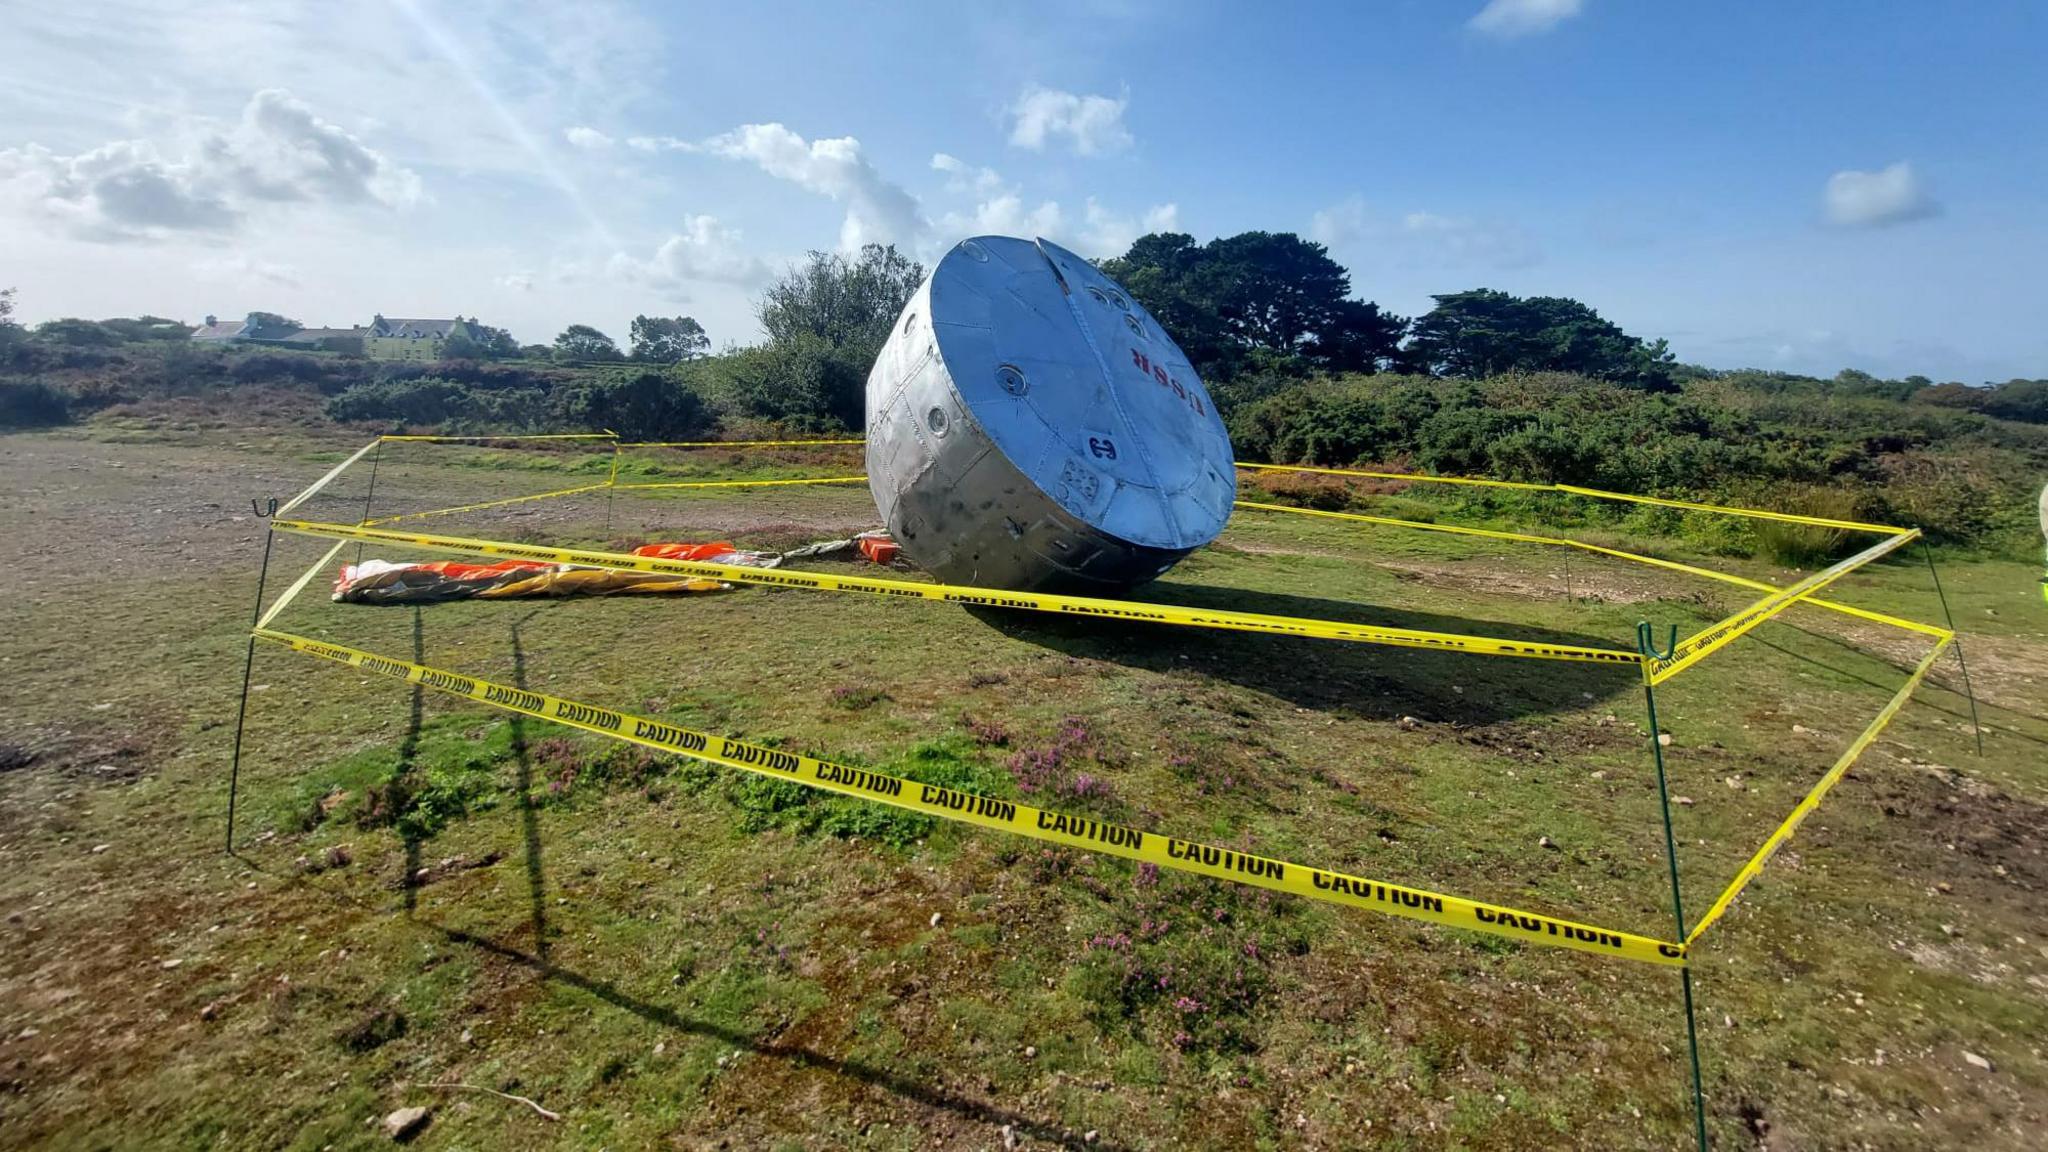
[936, 420]
[1012, 379]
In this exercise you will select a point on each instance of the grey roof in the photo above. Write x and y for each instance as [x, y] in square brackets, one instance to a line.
[398, 326]
[225, 330]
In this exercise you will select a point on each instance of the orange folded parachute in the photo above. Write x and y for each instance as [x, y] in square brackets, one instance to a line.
[716, 552]
[384, 582]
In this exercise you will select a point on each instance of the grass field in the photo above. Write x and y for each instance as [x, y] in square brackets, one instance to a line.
[429, 893]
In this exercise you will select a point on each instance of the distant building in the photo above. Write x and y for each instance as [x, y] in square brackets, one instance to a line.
[402, 339]
[216, 332]
[325, 339]
[253, 329]
[386, 338]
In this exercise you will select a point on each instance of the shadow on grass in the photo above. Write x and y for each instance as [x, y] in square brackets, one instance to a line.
[529, 813]
[663, 1016]
[1920, 700]
[1373, 681]
[660, 1015]
[408, 753]
[796, 1055]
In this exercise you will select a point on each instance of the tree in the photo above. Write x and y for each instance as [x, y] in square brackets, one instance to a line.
[271, 325]
[71, 332]
[640, 405]
[1360, 337]
[582, 342]
[826, 320]
[663, 340]
[10, 330]
[1486, 332]
[842, 302]
[2017, 399]
[1269, 292]
[479, 341]
[146, 328]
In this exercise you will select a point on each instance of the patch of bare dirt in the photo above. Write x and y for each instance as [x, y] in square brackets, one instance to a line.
[1600, 584]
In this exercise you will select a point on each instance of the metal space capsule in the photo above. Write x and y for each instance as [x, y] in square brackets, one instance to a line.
[1031, 427]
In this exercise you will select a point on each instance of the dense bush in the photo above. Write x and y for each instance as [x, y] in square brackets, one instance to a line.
[803, 383]
[1853, 453]
[32, 404]
[636, 405]
[432, 402]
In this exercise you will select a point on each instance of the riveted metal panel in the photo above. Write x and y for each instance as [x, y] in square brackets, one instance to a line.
[1031, 426]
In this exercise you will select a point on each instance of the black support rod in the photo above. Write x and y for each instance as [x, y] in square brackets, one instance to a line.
[248, 664]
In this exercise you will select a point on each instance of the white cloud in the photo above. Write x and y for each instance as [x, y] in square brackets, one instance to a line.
[244, 269]
[1458, 241]
[1092, 124]
[1106, 233]
[282, 151]
[661, 144]
[962, 176]
[1001, 209]
[591, 138]
[1003, 215]
[1892, 195]
[515, 281]
[278, 152]
[1421, 239]
[1339, 226]
[877, 210]
[704, 251]
[1508, 19]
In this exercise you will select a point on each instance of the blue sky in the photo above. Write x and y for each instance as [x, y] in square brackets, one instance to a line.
[1808, 186]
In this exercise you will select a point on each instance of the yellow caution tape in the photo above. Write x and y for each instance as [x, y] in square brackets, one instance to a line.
[485, 504]
[743, 483]
[1411, 476]
[1812, 800]
[324, 481]
[987, 597]
[298, 586]
[1583, 546]
[1714, 637]
[477, 439]
[732, 443]
[1081, 832]
[1731, 510]
[1576, 490]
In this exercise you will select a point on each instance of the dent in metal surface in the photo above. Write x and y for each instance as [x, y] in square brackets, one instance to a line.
[1031, 427]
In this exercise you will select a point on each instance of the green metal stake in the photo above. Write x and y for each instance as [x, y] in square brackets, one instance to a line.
[1648, 649]
[1975, 725]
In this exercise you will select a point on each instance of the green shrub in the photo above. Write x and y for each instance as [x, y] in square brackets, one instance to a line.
[434, 402]
[636, 405]
[804, 383]
[1807, 545]
[32, 404]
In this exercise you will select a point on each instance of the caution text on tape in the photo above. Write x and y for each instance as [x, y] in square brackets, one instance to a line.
[1324, 884]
